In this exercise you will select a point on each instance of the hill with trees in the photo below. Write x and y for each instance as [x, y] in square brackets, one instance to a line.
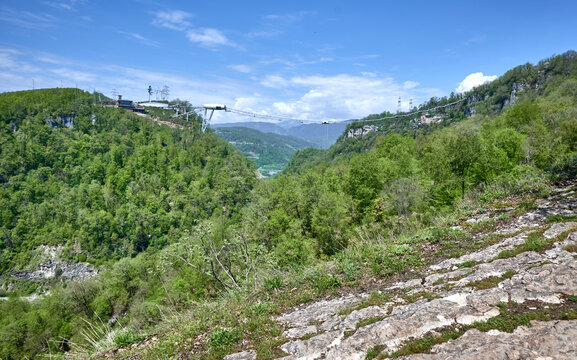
[551, 77]
[195, 257]
[270, 152]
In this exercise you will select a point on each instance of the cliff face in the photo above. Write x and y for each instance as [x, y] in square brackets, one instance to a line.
[362, 131]
[530, 272]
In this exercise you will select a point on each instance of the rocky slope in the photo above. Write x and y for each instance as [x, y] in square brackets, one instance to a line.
[531, 270]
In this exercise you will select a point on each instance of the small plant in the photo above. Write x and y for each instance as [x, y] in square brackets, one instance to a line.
[387, 265]
[221, 339]
[374, 352]
[525, 206]
[273, 283]
[560, 218]
[535, 242]
[100, 336]
[369, 321]
[127, 337]
[322, 281]
[492, 281]
[571, 248]
[349, 333]
[411, 298]
[263, 308]
[505, 254]
[423, 345]
[483, 225]
[400, 249]
[349, 269]
[467, 264]
[375, 299]
[446, 234]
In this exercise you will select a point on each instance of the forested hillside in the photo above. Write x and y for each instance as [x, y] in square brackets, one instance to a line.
[270, 152]
[100, 184]
[195, 256]
[104, 180]
[552, 78]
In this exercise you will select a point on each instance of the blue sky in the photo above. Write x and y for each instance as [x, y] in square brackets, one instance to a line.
[311, 59]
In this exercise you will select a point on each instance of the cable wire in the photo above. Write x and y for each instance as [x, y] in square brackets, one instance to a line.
[283, 118]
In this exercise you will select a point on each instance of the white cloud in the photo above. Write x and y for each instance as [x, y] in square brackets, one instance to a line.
[52, 59]
[177, 20]
[264, 34]
[27, 19]
[59, 5]
[410, 84]
[75, 75]
[274, 81]
[207, 37]
[476, 40]
[345, 96]
[9, 60]
[474, 79]
[242, 68]
[173, 19]
[138, 37]
[290, 18]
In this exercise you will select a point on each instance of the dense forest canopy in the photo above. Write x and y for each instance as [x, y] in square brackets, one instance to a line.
[174, 218]
[104, 182]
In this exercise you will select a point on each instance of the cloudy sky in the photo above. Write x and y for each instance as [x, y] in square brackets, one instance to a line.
[316, 60]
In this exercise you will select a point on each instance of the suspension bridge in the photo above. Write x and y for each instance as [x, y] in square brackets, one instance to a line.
[207, 111]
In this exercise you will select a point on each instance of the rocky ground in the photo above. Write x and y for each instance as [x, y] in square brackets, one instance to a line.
[52, 267]
[528, 273]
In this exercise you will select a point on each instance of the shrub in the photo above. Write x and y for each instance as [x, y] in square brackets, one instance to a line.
[348, 267]
[273, 283]
[322, 281]
[222, 338]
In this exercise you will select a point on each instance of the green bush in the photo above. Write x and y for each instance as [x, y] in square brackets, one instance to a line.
[221, 339]
[322, 282]
[127, 337]
[348, 267]
[385, 265]
[273, 283]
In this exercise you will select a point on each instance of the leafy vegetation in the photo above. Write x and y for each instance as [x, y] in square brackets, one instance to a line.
[270, 152]
[191, 246]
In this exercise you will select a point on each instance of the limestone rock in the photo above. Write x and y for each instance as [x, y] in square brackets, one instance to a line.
[485, 254]
[245, 355]
[319, 311]
[558, 228]
[543, 340]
